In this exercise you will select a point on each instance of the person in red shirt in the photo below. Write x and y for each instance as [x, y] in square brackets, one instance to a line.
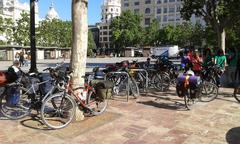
[196, 63]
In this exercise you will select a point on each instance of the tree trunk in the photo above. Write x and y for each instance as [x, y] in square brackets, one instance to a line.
[79, 41]
[221, 38]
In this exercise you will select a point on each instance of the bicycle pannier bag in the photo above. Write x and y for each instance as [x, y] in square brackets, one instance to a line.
[13, 95]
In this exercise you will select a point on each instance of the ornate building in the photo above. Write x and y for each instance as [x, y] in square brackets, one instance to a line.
[110, 9]
[52, 13]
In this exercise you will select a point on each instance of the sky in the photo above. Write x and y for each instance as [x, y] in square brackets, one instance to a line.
[63, 7]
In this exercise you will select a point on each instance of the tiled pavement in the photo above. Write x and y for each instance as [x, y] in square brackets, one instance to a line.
[159, 118]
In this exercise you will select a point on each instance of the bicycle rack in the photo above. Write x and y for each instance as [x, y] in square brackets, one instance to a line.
[122, 73]
[146, 74]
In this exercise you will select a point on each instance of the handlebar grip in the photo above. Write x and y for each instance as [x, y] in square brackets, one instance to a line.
[47, 69]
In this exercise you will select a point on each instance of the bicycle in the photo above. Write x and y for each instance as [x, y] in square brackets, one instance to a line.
[56, 108]
[31, 95]
[202, 90]
[123, 82]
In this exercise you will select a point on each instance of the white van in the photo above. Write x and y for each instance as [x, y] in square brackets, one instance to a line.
[169, 51]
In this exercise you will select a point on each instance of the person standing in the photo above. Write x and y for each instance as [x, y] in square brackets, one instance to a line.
[208, 58]
[232, 65]
[197, 63]
[221, 61]
[21, 59]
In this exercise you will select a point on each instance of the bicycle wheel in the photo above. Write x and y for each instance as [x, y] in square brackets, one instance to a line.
[120, 88]
[208, 91]
[161, 81]
[133, 87]
[189, 101]
[96, 104]
[236, 94]
[58, 110]
[17, 110]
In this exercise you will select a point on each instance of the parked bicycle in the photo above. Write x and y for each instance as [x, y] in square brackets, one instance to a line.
[58, 110]
[31, 93]
[193, 89]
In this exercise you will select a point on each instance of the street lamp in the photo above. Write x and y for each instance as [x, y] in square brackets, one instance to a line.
[33, 67]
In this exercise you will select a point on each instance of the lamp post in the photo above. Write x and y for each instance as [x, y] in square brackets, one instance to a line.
[33, 67]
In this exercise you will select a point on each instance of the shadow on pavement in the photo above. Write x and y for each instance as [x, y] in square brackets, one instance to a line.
[170, 106]
[34, 122]
[233, 136]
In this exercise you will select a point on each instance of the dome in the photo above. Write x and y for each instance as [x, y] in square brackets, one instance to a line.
[52, 14]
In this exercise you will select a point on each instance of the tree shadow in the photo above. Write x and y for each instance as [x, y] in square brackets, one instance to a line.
[233, 136]
[170, 106]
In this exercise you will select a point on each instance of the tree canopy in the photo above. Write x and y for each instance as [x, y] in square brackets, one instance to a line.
[220, 14]
[126, 30]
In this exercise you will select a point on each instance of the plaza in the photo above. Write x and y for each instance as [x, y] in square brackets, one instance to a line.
[153, 118]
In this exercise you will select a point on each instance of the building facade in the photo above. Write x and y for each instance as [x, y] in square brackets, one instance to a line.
[164, 11]
[110, 9]
[13, 9]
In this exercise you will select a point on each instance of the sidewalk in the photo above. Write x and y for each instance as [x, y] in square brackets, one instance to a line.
[159, 118]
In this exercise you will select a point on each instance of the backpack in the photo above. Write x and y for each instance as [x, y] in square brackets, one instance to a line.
[12, 76]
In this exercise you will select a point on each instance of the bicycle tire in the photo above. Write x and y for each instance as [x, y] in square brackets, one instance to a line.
[161, 81]
[236, 93]
[96, 104]
[133, 87]
[208, 91]
[15, 111]
[64, 107]
[188, 101]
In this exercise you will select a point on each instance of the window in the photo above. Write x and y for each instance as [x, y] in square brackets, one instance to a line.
[147, 1]
[111, 9]
[171, 18]
[106, 10]
[178, 17]
[165, 17]
[178, 8]
[165, 1]
[136, 3]
[165, 10]
[105, 27]
[171, 0]
[126, 4]
[147, 11]
[100, 39]
[147, 21]
[159, 1]
[136, 11]
[159, 11]
[105, 39]
[159, 18]
[105, 33]
[171, 10]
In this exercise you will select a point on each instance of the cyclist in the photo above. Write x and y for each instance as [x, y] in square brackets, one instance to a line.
[147, 64]
[221, 61]
[232, 65]
[208, 58]
[184, 60]
[13, 72]
[196, 63]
